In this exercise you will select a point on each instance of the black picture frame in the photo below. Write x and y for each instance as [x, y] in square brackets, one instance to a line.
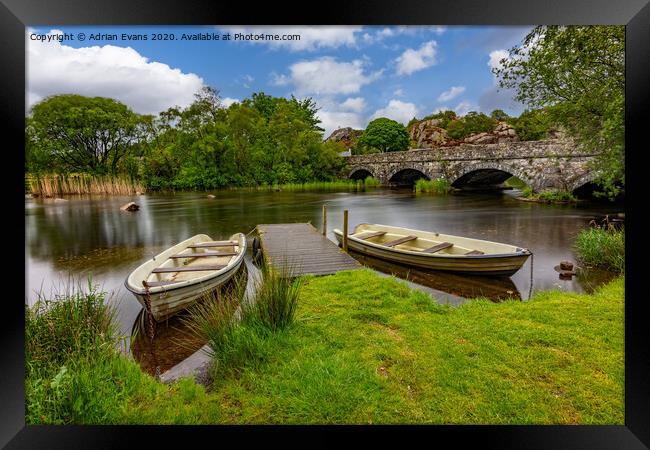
[15, 15]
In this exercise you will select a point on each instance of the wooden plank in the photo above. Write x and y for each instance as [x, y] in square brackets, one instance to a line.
[214, 244]
[188, 268]
[368, 235]
[203, 255]
[475, 252]
[399, 241]
[303, 248]
[438, 247]
[161, 283]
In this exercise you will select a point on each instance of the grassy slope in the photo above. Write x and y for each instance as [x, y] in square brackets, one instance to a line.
[367, 349]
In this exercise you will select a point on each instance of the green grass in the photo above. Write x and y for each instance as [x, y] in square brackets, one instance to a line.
[600, 247]
[549, 196]
[439, 186]
[337, 185]
[368, 349]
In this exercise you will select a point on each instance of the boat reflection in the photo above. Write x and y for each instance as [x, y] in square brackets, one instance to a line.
[457, 285]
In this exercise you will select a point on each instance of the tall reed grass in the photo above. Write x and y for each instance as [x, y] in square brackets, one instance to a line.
[74, 373]
[237, 329]
[438, 186]
[76, 184]
[602, 247]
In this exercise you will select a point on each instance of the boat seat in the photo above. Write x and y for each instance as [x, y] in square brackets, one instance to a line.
[203, 255]
[188, 268]
[214, 244]
[160, 283]
[438, 247]
[475, 252]
[399, 241]
[370, 234]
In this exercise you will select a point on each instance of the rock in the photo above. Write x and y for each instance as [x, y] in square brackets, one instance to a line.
[138, 193]
[60, 200]
[566, 265]
[481, 138]
[348, 136]
[131, 206]
[29, 196]
[211, 196]
[427, 134]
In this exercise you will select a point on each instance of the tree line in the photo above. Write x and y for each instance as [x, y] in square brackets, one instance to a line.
[567, 76]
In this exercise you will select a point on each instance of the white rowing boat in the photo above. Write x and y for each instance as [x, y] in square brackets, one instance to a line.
[177, 277]
[434, 250]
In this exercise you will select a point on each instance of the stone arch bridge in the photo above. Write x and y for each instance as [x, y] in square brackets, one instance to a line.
[542, 165]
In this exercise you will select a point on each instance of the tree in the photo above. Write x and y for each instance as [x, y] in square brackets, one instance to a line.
[385, 135]
[579, 72]
[473, 122]
[500, 115]
[84, 134]
[532, 125]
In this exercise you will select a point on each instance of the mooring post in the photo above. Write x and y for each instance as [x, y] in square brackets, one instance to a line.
[324, 220]
[345, 230]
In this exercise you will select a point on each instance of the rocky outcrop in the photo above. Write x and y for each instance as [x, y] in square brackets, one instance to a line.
[427, 134]
[348, 136]
[482, 138]
[503, 132]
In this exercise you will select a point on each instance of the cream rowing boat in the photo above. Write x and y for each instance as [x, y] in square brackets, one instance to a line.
[434, 250]
[177, 277]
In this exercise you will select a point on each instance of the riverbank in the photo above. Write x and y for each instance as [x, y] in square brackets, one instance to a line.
[368, 349]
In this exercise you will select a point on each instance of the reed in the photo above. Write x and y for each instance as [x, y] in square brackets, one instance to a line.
[438, 186]
[275, 300]
[602, 247]
[78, 184]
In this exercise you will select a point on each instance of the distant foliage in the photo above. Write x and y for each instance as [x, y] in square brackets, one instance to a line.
[443, 117]
[385, 135]
[439, 186]
[532, 125]
[473, 122]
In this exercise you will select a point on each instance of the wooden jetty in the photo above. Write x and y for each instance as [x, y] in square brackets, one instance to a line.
[303, 248]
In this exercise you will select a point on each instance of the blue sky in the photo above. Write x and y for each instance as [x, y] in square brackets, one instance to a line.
[354, 73]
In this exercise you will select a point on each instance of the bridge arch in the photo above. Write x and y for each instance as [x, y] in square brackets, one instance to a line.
[488, 173]
[407, 176]
[360, 173]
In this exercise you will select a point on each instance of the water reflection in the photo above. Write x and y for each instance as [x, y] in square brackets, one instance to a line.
[460, 286]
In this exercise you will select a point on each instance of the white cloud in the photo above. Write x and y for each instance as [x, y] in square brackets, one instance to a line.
[495, 58]
[356, 104]
[326, 76]
[463, 108]
[398, 92]
[398, 111]
[227, 101]
[311, 37]
[332, 120]
[413, 60]
[147, 87]
[453, 92]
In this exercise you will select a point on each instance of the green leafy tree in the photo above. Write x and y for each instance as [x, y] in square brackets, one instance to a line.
[532, 125]
[444, 117]
[500, 115]
[473, 122]
[579, 71]
[82, 133]
[385, 135]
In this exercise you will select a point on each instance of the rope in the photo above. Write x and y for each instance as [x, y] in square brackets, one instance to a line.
[150, 325]
[532, 259]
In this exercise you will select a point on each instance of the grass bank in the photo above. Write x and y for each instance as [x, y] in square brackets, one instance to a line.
[368, 349]
[78, 184]
[338, 185]
[548, 196]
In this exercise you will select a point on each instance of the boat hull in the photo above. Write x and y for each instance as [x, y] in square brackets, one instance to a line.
[169, 300]
[503, 264]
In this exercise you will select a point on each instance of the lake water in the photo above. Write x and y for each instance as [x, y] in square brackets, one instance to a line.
[91, 236]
